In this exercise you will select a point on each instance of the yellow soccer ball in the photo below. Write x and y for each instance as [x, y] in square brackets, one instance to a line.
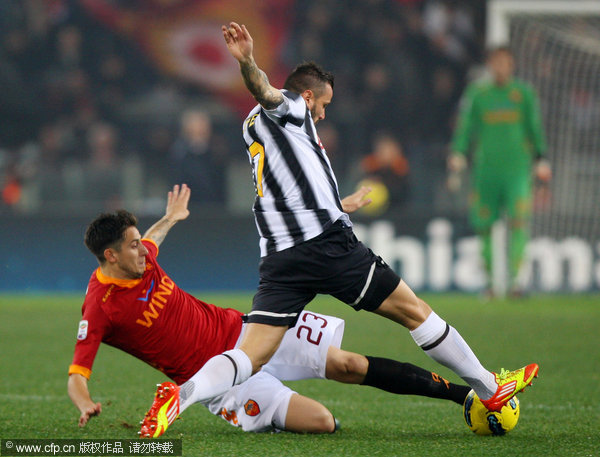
[484, 422]
[379, 195]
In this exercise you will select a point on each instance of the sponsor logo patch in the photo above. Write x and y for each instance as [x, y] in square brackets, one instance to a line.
[82, 330]
[515, 96]
[252, 408]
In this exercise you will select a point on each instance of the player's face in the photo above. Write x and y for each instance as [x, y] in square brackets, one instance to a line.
[131, 258]
[501, 65]
[317, 105]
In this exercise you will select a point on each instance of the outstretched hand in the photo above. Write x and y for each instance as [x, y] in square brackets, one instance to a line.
[92, 410]
[177, 210]
[177, 203]
[356, 200]
[238, 39]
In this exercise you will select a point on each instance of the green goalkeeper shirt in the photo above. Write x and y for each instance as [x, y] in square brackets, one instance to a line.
[502, 124]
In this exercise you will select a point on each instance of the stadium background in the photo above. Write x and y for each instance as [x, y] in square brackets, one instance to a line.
[93, 96]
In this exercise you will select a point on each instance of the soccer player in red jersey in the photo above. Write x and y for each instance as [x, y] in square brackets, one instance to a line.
[133, 305]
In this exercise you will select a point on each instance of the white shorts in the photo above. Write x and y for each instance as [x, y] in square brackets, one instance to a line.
[260, 404]
[303, 350]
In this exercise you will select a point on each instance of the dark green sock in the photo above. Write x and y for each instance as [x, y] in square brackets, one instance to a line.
[486, 251]
[518, 240]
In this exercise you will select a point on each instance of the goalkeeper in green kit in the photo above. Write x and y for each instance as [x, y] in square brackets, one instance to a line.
[500, 119]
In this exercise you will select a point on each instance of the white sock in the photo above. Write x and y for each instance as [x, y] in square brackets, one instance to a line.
[445, 345]
[216, 377]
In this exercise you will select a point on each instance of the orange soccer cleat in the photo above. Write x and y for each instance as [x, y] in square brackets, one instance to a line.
[164, 411]
[509, 384]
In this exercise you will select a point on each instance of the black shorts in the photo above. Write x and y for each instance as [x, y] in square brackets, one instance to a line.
[333, 263]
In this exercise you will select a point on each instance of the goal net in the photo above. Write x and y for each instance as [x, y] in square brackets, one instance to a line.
[557, 49]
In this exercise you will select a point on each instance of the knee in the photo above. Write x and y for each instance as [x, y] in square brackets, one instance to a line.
[323, 422]
[258, 363]
[351, 364]
[305, 415]
[517, 224]
[405, 308]
[347, 367]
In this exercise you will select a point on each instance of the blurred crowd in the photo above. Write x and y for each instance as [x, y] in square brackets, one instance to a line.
[88, 123]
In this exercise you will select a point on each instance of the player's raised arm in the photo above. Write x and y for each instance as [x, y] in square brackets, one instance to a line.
[177, 210]
[240, 45]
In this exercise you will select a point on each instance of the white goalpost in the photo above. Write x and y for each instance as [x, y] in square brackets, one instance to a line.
[557, 50]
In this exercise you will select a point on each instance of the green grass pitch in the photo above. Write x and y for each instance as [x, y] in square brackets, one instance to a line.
[559, 414]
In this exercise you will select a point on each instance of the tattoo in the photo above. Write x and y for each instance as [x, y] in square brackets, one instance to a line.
[258, 84]
[159, 230]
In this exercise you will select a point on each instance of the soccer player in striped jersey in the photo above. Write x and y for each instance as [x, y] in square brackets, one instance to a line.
[132, 304]
[307, 244]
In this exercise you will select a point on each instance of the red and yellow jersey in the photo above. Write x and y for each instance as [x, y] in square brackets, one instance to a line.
[154, 320]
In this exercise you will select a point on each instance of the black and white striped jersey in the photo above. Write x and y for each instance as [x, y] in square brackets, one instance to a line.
[297, 194]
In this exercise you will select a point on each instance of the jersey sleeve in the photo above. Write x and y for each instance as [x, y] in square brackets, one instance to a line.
[151, 246]
[91, 330]
[464, 127]
[292, 109]
[533, 121]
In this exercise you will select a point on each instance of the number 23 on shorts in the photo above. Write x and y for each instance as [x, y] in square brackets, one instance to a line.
[309, 330]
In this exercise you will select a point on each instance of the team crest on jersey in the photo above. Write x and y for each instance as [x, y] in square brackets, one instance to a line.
[82, 330]
[515, 96]
[252, 408]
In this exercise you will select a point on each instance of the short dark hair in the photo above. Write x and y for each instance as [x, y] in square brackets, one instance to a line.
[108, 230]
[308, 75]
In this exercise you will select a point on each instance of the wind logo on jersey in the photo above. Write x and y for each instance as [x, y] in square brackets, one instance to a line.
[252, 408]
[156, 301]
[82, 330]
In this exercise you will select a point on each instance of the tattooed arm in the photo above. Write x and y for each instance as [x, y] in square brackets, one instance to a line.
[177, 210]
[240, 45]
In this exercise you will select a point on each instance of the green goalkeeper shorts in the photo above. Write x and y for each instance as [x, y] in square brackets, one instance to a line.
[497, 193]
